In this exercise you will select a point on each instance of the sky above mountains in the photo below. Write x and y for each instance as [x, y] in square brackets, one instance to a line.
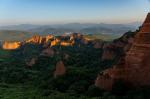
[68, 11]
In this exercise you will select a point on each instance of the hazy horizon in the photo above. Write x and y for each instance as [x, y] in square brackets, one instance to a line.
[44, 12]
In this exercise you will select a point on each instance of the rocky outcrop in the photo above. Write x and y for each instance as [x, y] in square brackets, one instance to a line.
[65, 43]
[49, 37]
[134, 68]
[54, 42]
[60, 69]
[11, 45]
[50, 41]
[36, 39]
[48, 52]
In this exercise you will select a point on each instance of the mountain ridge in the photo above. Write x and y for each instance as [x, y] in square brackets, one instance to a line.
[74, 27]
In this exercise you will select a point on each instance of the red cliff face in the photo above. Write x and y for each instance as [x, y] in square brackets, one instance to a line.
[134, 68]
[60, 69]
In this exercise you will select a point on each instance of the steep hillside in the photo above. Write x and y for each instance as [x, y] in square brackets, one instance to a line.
[105, 37]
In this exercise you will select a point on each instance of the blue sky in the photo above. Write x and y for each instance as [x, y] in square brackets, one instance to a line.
[68, 11]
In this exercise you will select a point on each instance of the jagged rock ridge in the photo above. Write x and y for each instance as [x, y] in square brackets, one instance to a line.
[50, 41]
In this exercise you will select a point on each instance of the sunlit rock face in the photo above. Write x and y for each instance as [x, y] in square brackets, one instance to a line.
[134, 68]
[66, 40]
[48, 41]
[36, 39]
[65, 43]
[55, 42]
[11, 45]
[60, 69]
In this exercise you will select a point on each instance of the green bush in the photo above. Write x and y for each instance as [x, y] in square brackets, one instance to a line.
[94, 91]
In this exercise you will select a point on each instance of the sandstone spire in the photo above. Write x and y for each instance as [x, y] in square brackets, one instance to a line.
[60, 69]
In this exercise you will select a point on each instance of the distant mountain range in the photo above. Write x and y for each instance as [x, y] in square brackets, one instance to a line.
[23, 31]
[75, 27]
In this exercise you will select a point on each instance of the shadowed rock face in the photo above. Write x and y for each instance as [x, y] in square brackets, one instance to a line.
[98, 44]
[48, 52]
[134, 68]
[11, 45]
[60, 69]
[117, 47]
[108, 52]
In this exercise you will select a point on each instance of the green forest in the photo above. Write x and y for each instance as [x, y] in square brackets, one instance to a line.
[19, 81]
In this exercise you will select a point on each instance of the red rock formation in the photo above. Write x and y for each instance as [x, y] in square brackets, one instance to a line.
[55, 42]
[134, 68]
[65, 43]
[60, 69]
[36, 39]
[11, 45]
[48, 52]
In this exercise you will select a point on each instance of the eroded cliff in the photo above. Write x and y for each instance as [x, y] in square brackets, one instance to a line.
[134, 68]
